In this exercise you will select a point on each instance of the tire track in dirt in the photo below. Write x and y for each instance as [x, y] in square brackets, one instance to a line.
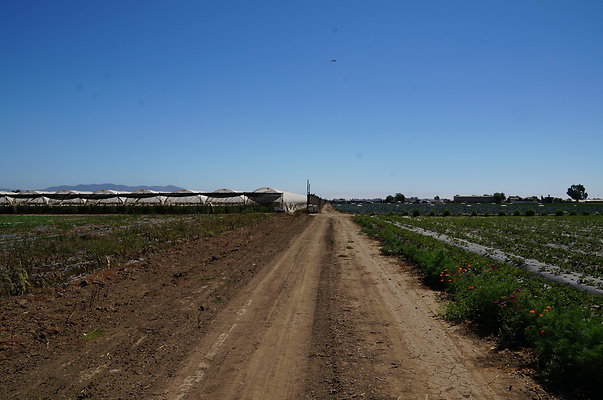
[257, 347]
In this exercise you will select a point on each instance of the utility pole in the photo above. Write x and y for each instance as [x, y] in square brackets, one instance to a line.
[307, 193]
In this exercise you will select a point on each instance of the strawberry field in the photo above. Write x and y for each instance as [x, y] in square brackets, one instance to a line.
[574, 243]
[455, 209]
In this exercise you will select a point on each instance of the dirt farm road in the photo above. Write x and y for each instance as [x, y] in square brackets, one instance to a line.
[318, 315]
[328, 318]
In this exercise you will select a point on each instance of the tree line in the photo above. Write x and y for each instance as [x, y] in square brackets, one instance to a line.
[575, 192]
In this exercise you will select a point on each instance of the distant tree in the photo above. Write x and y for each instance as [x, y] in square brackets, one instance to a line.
[437, 198]
[400, 197]
[577, 192]
[389, 199]
[499, 197]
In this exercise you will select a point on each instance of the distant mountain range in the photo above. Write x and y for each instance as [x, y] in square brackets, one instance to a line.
[111, 186]
[105, 186]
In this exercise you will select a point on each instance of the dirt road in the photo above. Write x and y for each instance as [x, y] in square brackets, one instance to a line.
[297, 308]
[331, 318]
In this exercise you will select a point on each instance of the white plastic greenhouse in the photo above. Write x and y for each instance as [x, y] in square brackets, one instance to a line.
[283, 201]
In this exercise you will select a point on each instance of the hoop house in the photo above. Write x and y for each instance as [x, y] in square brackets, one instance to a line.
[186, 197]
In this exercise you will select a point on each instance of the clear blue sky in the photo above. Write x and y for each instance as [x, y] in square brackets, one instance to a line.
[425, 98]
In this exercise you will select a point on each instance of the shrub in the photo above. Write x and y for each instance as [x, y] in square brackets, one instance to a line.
[446, 213]
[487, 298]
[502, 213]
[416, 213]
[559, 212]
[516, 213]
[13, 280]
[530, 212]
[570, 345]
[474, 213]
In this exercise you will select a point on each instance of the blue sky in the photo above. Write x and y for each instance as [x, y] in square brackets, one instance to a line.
[425, 98]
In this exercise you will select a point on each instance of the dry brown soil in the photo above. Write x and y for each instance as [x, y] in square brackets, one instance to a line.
[297, 307]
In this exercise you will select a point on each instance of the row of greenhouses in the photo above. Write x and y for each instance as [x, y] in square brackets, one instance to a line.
[286, 201]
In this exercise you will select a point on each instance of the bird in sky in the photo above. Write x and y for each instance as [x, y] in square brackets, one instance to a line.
[333, 60]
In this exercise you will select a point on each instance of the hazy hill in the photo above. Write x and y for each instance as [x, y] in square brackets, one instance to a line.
[110, 186]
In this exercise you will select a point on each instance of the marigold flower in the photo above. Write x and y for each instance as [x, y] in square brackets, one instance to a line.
[532, 311]
[540, 314]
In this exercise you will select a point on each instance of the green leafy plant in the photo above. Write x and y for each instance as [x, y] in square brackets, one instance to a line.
[92, 335]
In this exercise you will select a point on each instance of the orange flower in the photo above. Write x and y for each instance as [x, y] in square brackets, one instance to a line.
[540, 314]
[532, 311]
[471, 287]
[542, 331]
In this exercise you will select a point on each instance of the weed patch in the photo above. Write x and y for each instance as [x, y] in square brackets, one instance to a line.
[93, 335]
[45, 250]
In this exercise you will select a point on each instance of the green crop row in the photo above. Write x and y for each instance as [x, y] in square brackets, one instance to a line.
[572, 243]
[456, 209]
[563, 325]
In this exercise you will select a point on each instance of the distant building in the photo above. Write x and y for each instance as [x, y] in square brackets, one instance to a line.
[519, 200]
[474, 199]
